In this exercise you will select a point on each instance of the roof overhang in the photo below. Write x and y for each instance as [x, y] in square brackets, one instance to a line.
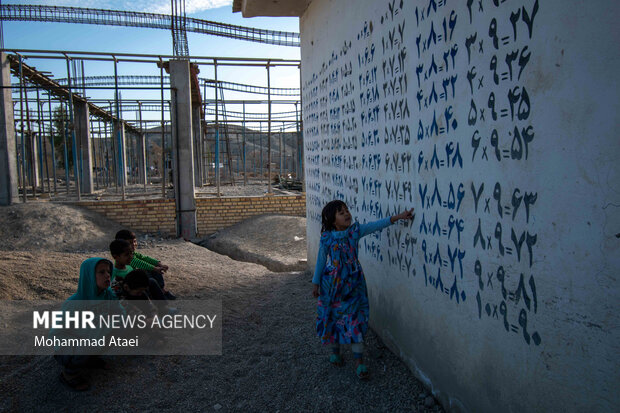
[275, 8]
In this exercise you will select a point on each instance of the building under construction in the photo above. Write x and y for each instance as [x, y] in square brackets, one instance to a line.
[157, 126]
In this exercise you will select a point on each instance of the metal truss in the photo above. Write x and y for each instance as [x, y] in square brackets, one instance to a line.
[155, 107]
[61, 14]
[254, 116]
[53, 88]
[138, 80]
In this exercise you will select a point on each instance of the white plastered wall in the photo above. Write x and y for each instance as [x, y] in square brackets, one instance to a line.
[498, 123]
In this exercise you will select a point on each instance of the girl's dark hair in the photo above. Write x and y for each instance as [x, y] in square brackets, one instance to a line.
[328, 215]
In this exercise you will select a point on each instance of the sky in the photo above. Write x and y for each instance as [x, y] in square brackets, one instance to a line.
[83, 37]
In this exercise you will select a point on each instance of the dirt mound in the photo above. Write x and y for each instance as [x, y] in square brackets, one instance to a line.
[51, 275]
[276, 241]
[54, 227]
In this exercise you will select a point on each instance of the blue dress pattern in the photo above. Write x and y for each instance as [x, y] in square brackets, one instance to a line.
[342, 315]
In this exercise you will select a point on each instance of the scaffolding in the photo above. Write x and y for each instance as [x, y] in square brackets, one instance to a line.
[129, 125]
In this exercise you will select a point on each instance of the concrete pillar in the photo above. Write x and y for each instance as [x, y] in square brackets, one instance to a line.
[197, 133]
[121, 155]
[8, 152]
[85, 152]
[142, 158]
[182, 148]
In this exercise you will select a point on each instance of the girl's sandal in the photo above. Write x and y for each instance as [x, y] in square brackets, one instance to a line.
[336, 360]
[362, 372]
[75, 383]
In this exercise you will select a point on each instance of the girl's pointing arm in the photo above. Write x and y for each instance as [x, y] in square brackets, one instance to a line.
[371, 227]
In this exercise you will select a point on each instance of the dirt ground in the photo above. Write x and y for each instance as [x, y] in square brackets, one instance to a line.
[275, 241]
[271, 361]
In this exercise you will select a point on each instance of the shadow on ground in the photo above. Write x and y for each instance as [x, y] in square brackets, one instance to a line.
[271, 358]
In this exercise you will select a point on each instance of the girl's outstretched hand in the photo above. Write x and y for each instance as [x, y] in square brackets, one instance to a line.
[403, 215]
[315, 291]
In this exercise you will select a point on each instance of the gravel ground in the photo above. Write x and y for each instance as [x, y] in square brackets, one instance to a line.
[271, 361]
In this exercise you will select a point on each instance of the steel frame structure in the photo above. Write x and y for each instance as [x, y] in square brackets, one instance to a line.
[35, 122]
[123, 80]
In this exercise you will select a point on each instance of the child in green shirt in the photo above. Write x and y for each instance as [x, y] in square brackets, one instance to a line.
[122, 252]
[153, 267]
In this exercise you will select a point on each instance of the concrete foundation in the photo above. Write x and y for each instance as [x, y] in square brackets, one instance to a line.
[182, 148]
[8, 161]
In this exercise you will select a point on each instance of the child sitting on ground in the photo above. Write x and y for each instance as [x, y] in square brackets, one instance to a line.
[134, 293]
[135, 299]
[93, 285]
[122, 252]
[153, 267]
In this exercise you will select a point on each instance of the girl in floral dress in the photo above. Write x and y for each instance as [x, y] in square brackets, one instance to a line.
[339, 284]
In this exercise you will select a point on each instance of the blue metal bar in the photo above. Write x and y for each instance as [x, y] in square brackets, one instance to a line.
[66, 151]
[23, 145]
[217, 136]
[245, 175]
[49, 100]
[97, 165]
[40, 144]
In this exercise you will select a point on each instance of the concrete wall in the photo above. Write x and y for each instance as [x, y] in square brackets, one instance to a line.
[498, 122]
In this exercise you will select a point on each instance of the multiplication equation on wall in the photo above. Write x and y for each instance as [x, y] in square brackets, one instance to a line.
[427, 105]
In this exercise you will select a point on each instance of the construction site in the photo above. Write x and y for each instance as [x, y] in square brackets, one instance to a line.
[168, 127]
